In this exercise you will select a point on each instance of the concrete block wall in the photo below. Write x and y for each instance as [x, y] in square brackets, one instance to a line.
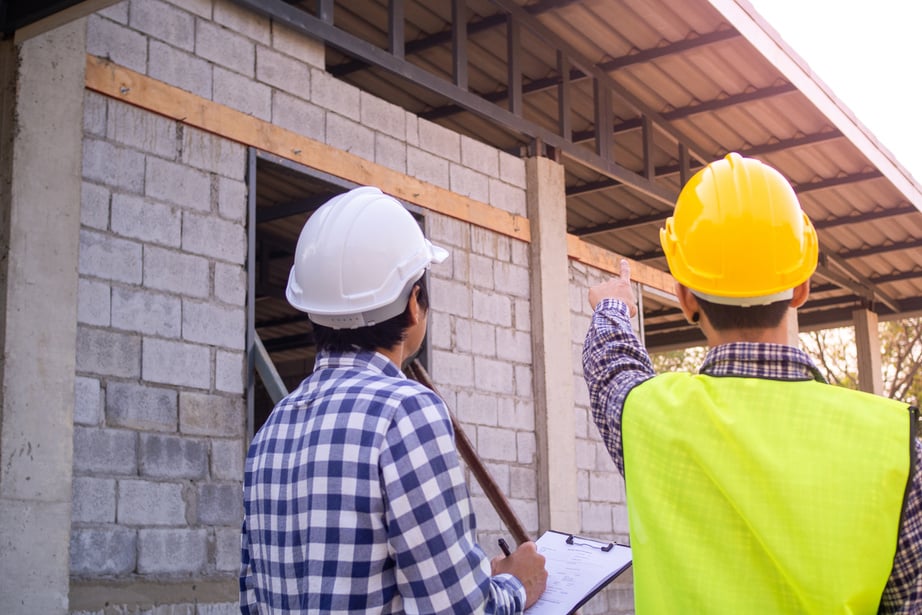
[601, 487]
[160, 415]
[603, 511]
[160, 426]
[480, 335]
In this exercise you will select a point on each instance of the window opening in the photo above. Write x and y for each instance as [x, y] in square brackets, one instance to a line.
[283, 195]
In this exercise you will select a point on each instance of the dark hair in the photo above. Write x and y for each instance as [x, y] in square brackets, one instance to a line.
[385, 334]
[725, 317]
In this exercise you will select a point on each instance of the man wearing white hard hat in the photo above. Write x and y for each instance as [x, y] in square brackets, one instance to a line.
[354, 497]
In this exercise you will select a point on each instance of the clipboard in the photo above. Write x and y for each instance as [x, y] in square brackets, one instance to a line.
[578, 568]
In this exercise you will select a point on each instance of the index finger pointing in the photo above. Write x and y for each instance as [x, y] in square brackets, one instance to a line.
[625, 269]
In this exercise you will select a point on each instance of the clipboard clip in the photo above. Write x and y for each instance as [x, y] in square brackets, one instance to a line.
[604, 548]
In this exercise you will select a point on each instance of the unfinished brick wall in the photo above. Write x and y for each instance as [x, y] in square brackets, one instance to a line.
[158, 450]
[160, 419]
[481, 357]
[603, 510]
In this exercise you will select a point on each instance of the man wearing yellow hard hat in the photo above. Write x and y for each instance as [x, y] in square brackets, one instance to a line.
[752, 486]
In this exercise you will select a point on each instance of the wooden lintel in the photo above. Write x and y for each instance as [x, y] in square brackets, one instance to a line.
[607, 260]
[134, 88]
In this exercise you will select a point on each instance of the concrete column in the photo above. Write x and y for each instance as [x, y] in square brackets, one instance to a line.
[867, 341]
[41, 127]
[553, 357]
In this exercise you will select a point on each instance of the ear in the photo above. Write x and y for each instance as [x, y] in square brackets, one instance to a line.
[413, 306]
[688, 302]
[801, 292]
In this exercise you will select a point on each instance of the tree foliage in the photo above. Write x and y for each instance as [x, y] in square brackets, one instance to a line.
[686, 360]
[901, 342]
[835, 353]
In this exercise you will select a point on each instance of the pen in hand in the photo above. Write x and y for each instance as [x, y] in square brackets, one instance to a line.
[505, 547]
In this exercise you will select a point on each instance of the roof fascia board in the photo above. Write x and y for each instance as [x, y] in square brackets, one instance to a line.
[62, 13]
[747, 21]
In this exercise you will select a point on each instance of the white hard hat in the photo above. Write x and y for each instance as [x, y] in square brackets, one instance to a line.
[357, 259]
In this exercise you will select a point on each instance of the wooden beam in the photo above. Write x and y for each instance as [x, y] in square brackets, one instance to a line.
[133, 88]
[608, 261]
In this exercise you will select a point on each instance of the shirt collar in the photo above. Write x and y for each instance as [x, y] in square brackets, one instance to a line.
[359, 359]
[760, 360]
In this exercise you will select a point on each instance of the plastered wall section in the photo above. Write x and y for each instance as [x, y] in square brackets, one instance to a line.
[602, 507]
[160, 414]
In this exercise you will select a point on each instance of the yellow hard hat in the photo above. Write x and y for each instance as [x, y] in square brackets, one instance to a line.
[738, 235]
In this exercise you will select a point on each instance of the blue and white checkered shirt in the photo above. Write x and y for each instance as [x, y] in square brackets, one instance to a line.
[614, 362]
[355, 502]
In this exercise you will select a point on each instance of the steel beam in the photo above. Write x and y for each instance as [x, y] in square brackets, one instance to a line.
[911, 244]
[303, 21]
[704, 107]
[833, 182]
[866, 217]
[459, 43]
[574, 75]
[514, 65]
[564, 121]
[396, 28]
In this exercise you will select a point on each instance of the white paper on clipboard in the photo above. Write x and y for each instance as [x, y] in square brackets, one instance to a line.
[577, 569]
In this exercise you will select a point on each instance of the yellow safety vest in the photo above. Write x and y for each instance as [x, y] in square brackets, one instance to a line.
[751, 496]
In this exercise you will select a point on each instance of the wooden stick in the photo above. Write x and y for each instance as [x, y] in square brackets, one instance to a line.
[417, 372]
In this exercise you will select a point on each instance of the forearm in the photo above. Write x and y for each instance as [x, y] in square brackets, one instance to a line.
[614, 362]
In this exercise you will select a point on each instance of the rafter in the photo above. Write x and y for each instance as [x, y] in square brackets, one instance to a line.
[833, 182]
[444, 37]
[705, 107]
[894, 246]
[897, 276]
[880, 214]
[757, 150]
[576, 75]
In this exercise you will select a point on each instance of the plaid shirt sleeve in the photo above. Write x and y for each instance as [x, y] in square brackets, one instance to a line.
[903, 593]
[614, 362]
[440, 567]
[247, 594]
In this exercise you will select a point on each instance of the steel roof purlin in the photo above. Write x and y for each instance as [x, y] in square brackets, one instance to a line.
[631, 97]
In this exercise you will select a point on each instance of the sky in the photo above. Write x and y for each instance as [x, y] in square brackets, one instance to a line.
[869, 53]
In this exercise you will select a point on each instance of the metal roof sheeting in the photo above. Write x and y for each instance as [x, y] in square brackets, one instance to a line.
[709, 77]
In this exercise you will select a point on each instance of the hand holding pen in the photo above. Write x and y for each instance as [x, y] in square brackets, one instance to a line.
[526, 564]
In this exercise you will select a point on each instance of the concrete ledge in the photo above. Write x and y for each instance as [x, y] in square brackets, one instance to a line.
[98, 595]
